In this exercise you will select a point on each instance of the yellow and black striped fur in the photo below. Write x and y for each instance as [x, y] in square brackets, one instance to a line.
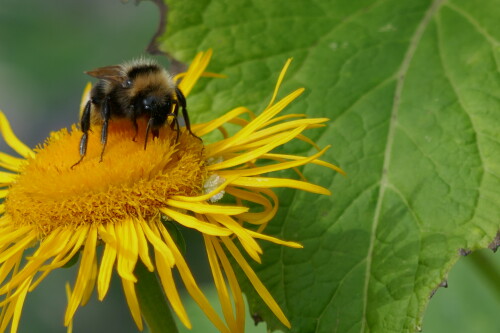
[133, 90]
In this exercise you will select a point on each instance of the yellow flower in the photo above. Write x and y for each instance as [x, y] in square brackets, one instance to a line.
[124, 202]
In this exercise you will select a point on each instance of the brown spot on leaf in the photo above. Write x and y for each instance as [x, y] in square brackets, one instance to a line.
[257, 318]
[495, 243]
[442, 284]
[464, 252]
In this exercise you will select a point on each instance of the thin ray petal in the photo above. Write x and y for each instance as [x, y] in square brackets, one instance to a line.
[10, 163]
[235, 287]
[195, 70]
[220, 285]
[255, 124]
[11, 139]
[67, 288]
[7, 178]
[127, 250]
[259, 218]
[203, 208]
[158, 244]
[19, 305]
[257, 284]
[143, 246]
[268, 182]
[191, 285]
[194, 223]
[280, 80]
[279, 166]
[294, 157]
[84, 274]
[278, 141]
[105, 271]
[89, 288]
[249, 244]
[170, 288]
[218, 122]
[133, 303]
[275, 240]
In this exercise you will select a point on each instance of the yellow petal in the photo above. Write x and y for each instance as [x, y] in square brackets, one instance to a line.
[11, 163]
[158, 244]
[84, 274]
[278, 166]
[257, 284]
[19, 305]
[105, 271]
[285, 117]
[143, 247]
[10, 264]
[72, 246]
[275, 240]
[280, 80]
[279, 139]
[259, 218]
[67, 287]
[18, 247]
[190, 283]
[133, 304]
[268, 131]
[203, 129]
[7, 178]
[268, 182]
[219, 147]
[47, 248]
[194, 223]
[127, 251]
[249, 244]
[239, 303]
[9, 236]
[204, 208]
[70, 250]
[220, 285]
[195, 70]
[91, 283]
[294, 157]
[168, 283]
[11, 139]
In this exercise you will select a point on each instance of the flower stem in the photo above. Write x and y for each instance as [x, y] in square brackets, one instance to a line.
[153, 303]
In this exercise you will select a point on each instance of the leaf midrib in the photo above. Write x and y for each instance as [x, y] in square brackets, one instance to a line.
[400, 77]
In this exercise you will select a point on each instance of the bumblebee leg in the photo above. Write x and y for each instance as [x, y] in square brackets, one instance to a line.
[148, 128]
[85, 127]
[136, 129]
[178, 128]
[175, 113]
[106, 114]
[182, 102]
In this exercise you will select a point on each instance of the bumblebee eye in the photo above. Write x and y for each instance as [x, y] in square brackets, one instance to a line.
[127, 84]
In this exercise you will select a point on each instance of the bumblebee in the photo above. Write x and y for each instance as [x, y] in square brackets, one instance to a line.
[133, 90]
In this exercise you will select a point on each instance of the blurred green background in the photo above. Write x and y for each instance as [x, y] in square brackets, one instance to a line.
[44, 49]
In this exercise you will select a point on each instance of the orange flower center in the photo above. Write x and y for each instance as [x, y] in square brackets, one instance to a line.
[130, 181]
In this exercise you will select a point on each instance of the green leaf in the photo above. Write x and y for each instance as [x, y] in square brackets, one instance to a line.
[413, 91]
[152, 301]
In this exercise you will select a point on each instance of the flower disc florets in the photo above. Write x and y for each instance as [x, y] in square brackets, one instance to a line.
[129, 182]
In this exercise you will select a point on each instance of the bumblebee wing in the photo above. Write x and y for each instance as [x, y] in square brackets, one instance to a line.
[108, 73]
